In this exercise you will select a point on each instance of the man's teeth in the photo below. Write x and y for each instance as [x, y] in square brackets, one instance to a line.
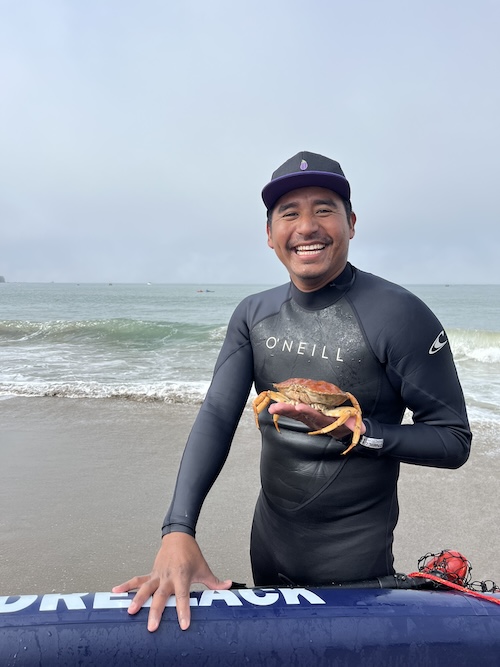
[309, 248]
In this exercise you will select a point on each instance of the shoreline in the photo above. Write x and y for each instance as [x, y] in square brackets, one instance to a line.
[86, 483]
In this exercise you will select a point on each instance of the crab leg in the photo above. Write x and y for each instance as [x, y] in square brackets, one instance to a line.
[262, 401]
[342, 415]
[357, 427]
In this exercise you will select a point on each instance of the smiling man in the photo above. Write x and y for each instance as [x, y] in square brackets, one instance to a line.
[321, 517]
[310, 233]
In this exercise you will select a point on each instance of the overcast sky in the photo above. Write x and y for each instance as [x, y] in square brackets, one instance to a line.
[136, 136]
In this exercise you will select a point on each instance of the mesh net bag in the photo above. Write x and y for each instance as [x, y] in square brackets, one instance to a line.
[450, 569]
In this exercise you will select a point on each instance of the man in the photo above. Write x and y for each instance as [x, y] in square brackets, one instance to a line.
[321, 517]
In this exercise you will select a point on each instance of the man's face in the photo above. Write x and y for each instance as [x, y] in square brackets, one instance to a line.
[310, 234]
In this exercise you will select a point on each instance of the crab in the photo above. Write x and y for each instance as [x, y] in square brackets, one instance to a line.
[323, 396]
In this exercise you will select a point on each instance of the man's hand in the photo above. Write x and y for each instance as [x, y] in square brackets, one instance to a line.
[312, 418]
[178, 564]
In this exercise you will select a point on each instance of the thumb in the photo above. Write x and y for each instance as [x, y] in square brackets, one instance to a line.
[351, 424]
[213, 583]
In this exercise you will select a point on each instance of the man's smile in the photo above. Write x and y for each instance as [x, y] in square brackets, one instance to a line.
[308, 249]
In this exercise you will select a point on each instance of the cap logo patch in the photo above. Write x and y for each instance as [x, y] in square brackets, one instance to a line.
[303, 165]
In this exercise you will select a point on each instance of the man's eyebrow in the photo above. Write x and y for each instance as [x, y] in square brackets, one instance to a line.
[317, 202]
[325, 202]
[285, 207]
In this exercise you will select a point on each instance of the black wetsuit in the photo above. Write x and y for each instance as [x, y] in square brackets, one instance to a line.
[322, 517]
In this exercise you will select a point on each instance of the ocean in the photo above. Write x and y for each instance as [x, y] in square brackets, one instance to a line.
[160, 342]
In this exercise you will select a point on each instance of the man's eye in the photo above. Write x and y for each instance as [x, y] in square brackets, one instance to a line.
[324, 210]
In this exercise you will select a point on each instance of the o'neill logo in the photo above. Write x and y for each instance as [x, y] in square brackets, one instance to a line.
[439, 343]
[301, 347]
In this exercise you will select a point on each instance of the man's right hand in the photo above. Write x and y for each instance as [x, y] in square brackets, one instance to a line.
[178, 564]
[313, 418]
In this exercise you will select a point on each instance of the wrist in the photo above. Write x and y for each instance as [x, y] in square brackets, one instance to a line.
[177, 528]
[371, 443]
[372, 440]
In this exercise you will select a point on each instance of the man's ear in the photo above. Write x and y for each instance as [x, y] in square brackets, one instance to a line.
[352, 224]
[269, 236]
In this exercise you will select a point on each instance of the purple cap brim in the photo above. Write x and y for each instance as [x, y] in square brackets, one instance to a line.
[278, 187]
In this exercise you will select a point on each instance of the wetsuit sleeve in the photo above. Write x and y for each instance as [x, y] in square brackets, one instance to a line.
[210, 439]
[415, 351]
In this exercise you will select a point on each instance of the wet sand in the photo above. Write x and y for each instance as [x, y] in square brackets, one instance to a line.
[84, 486]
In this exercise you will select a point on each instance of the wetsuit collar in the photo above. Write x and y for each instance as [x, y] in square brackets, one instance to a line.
[327, 295]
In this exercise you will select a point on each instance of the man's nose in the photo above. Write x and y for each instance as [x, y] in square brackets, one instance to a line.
[307, 224]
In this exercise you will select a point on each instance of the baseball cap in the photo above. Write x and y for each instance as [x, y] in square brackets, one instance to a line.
[304, 170]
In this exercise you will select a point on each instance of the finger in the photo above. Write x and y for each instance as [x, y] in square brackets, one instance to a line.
[182, 599]
[216, 584]
[130, 585]
[281, 408]
[353, 425]
[143, 594]
[157, 607]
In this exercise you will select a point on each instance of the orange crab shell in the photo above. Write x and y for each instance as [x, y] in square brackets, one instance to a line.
[312, 391]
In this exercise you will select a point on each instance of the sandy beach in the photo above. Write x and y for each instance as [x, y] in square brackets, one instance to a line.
[84, 486]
